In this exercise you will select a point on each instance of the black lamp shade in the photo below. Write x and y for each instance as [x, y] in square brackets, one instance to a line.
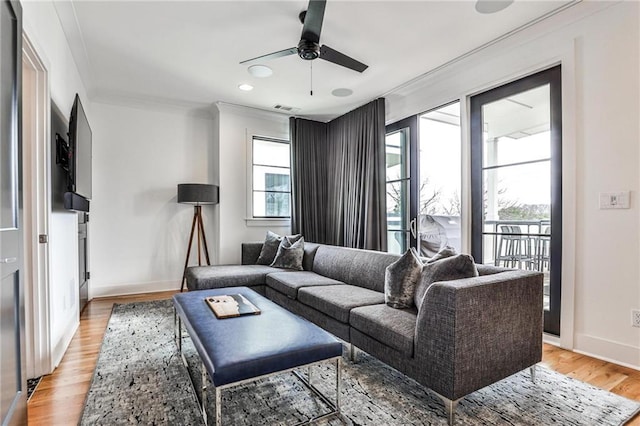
[198, 193]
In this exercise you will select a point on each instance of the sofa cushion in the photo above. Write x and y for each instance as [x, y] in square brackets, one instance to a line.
[205, 277]
[395, 328]
[289, 255]
[447, 269]
[289, 283]
[446, 251]
[338, 300]
[363, 268]
[270, 247]
[400, 280]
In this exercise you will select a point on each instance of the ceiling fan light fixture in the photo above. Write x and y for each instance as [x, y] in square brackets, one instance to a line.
[260, 71]
[245, 87]
[308, 50]
[492, 6]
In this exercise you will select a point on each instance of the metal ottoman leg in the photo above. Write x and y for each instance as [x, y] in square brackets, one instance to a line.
[204, 394]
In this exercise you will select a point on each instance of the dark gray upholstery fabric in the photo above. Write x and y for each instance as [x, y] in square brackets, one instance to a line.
[205, 277]
[400, 280]
[475, 331]
[289, 283]
[337, 301]
[270, 247]
[363, 268]
[449, 268]
[250, 253]
[309, 255]
[490, 269]
[332, 325]
[395, 328]
[290, 254]
[446, 251]
[384, 353]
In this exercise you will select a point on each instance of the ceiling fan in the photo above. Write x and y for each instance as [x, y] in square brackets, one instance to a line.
[309, 46]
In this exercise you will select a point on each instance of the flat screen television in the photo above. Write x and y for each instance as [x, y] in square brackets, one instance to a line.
[81, 151]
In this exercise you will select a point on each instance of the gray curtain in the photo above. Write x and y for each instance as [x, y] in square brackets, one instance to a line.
[338, 178]
[309, 179]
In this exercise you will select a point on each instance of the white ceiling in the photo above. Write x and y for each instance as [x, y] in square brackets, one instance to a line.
[188, 53]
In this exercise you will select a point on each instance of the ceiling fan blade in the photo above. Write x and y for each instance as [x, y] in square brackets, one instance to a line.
[274, 55]
[331, 55]
[313, 21]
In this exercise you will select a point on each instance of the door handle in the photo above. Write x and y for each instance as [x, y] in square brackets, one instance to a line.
[8, 260]
[413, 227]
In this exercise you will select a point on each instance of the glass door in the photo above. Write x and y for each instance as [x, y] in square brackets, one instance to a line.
[440, 180]
[400, 166]
[516, 162]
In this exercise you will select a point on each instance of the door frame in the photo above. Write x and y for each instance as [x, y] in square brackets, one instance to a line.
[411, 123]
[37, 195]
[553, 77]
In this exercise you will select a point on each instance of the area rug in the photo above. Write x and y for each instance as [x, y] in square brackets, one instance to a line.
[140, 379]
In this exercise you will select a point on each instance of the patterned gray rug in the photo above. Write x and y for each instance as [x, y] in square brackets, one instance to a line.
[140, 379]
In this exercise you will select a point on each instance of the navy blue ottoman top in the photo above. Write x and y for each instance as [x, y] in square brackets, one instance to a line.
[234, 349]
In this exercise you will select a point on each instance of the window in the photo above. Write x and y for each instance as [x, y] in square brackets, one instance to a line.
[271, 190]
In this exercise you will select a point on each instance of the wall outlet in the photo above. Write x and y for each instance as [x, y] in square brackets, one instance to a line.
[635, 317]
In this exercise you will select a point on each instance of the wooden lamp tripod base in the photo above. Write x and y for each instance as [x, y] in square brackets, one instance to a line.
[196, 226]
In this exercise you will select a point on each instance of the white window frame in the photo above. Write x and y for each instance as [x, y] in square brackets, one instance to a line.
[250, 219]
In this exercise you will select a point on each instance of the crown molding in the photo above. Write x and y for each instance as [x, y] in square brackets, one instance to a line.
[229, 108]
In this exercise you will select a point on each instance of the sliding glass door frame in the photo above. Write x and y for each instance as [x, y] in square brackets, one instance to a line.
[410, 124]
[552, 77]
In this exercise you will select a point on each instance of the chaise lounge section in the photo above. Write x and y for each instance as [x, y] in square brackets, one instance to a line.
[466, 334]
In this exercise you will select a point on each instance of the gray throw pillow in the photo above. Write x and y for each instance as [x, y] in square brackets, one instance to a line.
[449, 268]
[446, 251]
[400, 280]
[270, 247]
[290, 253]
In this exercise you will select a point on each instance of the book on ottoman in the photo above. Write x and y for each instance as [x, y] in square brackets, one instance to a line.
[229, 306]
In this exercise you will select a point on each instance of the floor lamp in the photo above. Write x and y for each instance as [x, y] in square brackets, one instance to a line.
[197, 194]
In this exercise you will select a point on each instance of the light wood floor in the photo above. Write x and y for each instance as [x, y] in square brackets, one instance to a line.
[59, 398]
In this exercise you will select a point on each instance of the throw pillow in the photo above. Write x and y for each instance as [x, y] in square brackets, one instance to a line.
[400, 280]
[270, 247]
[446, 251]
[449, 268]
[290, 253]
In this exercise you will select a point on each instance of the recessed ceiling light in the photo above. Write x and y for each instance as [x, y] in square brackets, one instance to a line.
[492, 6]
[260, 71]
[342, 92]
[245, 87]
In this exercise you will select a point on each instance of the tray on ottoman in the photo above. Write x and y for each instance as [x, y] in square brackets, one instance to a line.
[246, 348]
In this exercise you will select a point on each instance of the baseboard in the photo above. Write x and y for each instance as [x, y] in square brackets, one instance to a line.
[608, 350]
[60, 349]
[135, 288]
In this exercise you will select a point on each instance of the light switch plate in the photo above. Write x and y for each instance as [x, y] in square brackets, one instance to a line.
[614, 200]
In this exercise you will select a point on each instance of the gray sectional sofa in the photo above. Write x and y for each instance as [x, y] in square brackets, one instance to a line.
[468, 333]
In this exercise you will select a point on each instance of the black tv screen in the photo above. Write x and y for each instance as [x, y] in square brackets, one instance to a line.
[80, 142]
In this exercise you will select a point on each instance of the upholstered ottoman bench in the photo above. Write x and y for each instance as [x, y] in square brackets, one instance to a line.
[246, 348]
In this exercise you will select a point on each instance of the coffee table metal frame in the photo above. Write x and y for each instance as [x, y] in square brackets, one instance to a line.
[333, 405]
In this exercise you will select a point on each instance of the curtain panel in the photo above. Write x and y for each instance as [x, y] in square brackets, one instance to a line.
[309, 146]
[338, 183]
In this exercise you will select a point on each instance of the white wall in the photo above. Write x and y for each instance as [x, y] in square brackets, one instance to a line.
[139, 233]
[42, 27]
[237, 126]
[598, 45]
